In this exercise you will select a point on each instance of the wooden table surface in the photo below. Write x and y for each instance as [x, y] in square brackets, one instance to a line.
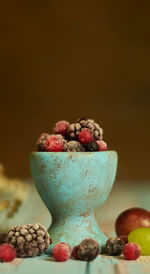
[123, 196]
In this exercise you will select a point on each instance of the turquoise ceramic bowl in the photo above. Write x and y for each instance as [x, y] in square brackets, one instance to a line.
[73, 185]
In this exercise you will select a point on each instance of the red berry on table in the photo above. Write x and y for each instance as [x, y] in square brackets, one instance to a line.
[132, 251]
[74, 252]
[61, 127]
[102, 145]
[124, 238]
[7, 252]
[61, 252]
[54, 143]
[85, 136]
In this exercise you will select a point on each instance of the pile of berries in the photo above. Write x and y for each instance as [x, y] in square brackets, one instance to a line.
[87, 250]
[116, 246]
[83, 135]
[24, 241]
[133, 238]
[133, 230]
[33, 240]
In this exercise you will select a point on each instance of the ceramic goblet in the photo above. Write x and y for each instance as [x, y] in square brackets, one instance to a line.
[73, 185]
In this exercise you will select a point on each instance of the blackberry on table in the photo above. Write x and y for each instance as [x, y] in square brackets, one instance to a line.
[88, 250]
[114, 246]
[29, 240]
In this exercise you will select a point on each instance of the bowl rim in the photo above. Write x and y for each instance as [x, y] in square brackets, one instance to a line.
[72, 152]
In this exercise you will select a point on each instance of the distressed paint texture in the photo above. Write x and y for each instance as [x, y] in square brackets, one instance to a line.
[73, 185]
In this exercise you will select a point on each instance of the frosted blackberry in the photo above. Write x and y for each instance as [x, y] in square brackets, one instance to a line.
[88, 250]
[75, 128]
[114, 246]
[74, 146]
[29, 240]
[41, 142]
[93, 146]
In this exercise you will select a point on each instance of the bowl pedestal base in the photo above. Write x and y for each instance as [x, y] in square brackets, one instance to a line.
[74, 229]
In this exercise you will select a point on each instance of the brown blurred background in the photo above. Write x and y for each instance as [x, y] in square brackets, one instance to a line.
[66, 59]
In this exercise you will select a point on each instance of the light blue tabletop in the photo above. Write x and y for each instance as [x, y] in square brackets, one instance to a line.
[123, 196]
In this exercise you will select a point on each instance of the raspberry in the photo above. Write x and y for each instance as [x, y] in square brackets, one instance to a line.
[114, 246]
[102, 145]
[85, 136]
[61, 137]
[61, 252]
[7, 253]
[54, 143]
[124, 238]
[93, 146]
[61, 127]
[132, 251]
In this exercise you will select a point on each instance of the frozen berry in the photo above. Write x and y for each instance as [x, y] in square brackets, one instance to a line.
[7, 252]
[102, 145]
[93, 146]
[88, 250]
[124, 238]
[85, 136]
[61, 252]
[132, 251]
[82, 123]
[30, 240]
[141, 236]
[54, 143]
[73, 146]
[61, 137]
[61, 127]
[74, 252]
[114, 246]
[41, 141]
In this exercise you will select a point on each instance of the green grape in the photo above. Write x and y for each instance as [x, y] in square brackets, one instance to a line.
[141, 236]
